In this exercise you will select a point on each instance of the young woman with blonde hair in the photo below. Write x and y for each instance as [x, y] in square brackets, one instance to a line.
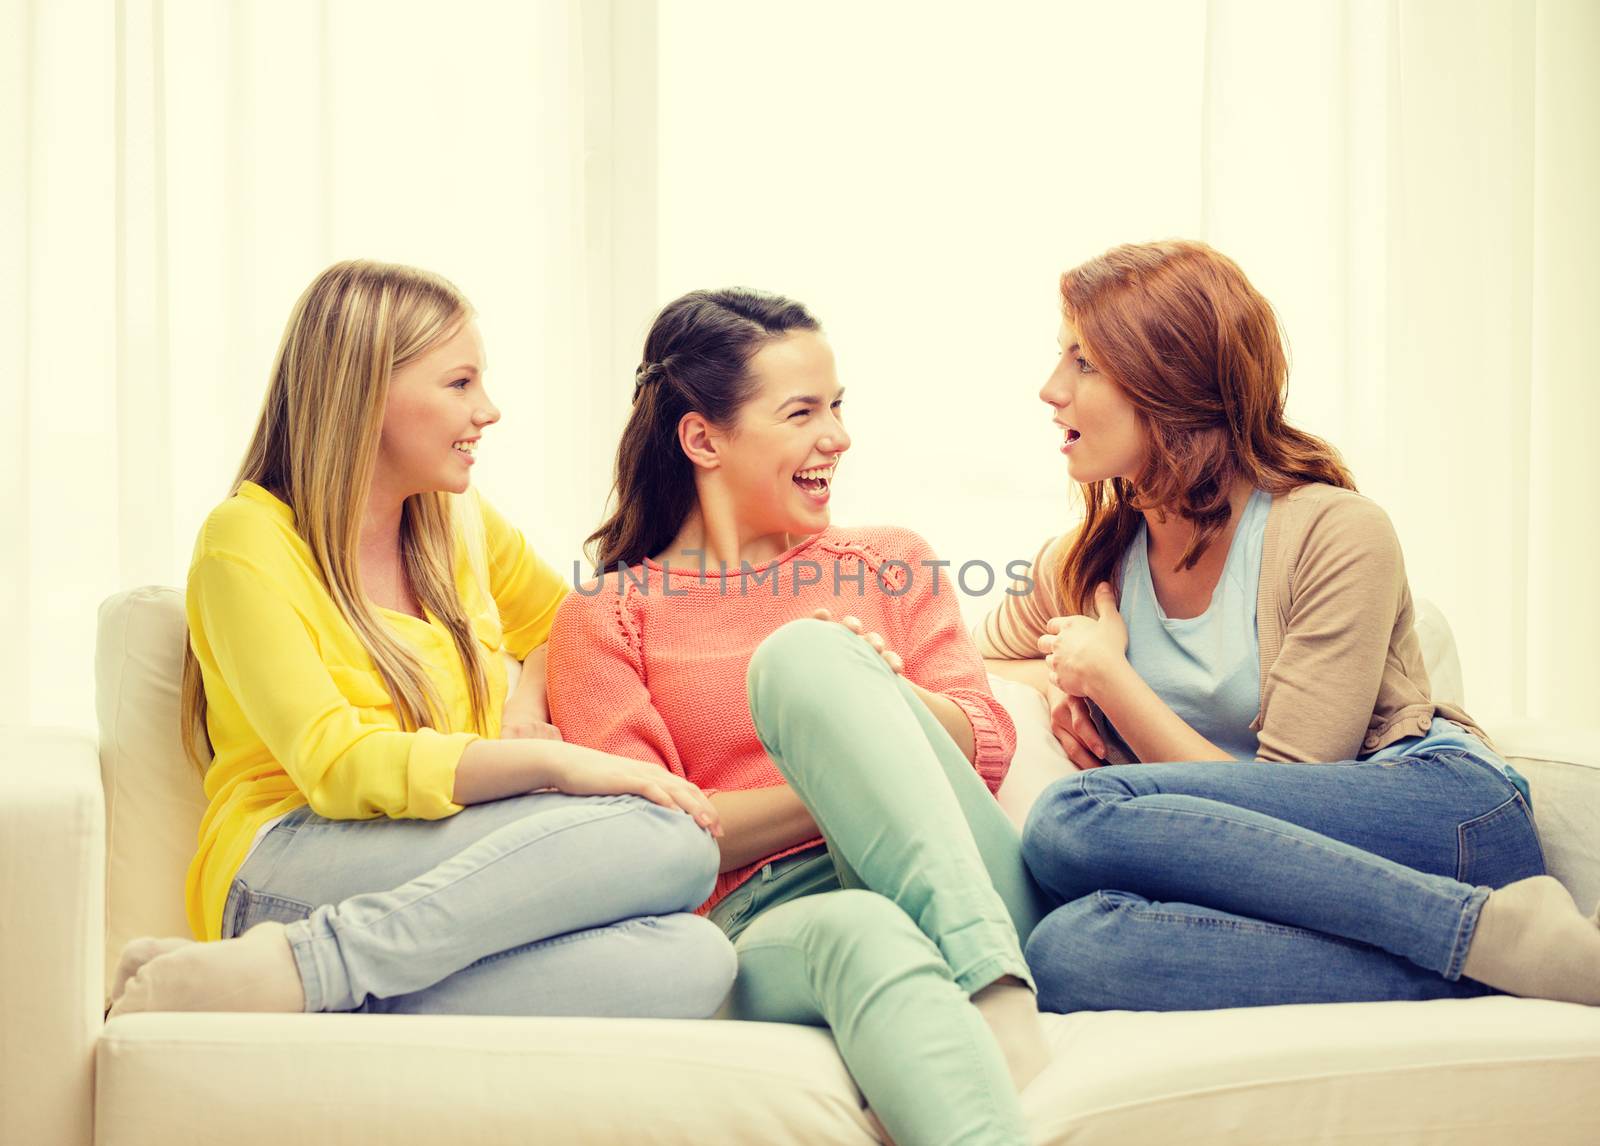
[1229, 601]
[388, 830]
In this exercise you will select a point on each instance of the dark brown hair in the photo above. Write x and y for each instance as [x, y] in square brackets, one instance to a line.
[696, 359]
[1197, 350]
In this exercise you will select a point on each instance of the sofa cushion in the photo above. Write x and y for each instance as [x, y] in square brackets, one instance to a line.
[154, 797]
[1460, 1071]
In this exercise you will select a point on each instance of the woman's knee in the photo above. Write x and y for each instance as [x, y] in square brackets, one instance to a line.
[695, 963]
[694, 858]
[1077, 953]
[1064, 839]
[676, 859]
[792, 666]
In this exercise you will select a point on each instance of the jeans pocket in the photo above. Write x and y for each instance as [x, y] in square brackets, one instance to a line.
[245, 908]
[1499, 846]
[732, 913]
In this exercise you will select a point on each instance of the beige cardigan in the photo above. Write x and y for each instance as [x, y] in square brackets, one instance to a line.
[1341, 667]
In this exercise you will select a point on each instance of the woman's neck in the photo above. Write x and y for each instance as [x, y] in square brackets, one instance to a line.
[715, 540]
[1172, 535]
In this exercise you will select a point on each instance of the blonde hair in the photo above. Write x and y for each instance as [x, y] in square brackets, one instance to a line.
[315, 447]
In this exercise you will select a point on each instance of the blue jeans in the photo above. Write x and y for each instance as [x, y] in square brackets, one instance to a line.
[543, 904]
[1196, 886]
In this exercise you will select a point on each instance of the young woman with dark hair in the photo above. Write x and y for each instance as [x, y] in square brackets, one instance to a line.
[1229, 601]
[876, 733]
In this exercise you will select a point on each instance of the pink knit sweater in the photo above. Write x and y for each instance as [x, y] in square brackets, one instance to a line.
[650, 663]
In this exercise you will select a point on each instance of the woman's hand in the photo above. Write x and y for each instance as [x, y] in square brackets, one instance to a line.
[526, 722]
[580, 771]
[527, 710]
[891, 658]
[1074, 728]
[1080, 652]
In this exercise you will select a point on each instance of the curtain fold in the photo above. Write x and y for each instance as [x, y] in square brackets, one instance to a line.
[1412, 182]
[178, 171]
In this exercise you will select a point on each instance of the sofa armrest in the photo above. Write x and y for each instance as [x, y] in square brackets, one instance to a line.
[1562, 766]
[52, 898]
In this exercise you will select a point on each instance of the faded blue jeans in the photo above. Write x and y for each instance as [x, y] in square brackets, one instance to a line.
[543, 904]
[1197, 886]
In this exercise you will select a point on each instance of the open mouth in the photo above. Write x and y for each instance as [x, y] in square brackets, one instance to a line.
[1071, 439]
[470, 448]
[815, 482]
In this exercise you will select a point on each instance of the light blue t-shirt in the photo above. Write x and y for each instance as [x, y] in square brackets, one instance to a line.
[1207, 668]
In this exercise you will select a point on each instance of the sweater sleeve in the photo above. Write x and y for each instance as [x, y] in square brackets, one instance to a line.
[1345, 592]
[598, 695]
[939, 655]
[1012, 629]
[270, 665]
[526, 590]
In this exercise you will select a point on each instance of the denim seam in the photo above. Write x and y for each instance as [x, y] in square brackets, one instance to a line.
[611, 815]
[1466, 926]
[637, 922]
[1464, 845]
[612, 812]
[1250, 926]
[1214, 819]
[305, 960]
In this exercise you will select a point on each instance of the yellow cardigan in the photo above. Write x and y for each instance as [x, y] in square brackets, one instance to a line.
[296, 710]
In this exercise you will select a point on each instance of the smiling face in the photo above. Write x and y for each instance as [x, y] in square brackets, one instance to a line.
[436, 411]
[777, 462]
[1103, 438]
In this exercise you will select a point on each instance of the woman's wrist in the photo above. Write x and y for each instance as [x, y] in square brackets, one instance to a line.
[496, 769]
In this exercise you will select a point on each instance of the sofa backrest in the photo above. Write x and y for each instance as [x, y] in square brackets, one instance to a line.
[155, 797]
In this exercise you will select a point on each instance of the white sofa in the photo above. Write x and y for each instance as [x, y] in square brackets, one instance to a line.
[94, 840]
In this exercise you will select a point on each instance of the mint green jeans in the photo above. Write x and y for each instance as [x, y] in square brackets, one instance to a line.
[927, 900]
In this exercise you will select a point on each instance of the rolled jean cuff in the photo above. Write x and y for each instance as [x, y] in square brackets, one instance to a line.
[1471, 910]
[975, 977]
[302, 947]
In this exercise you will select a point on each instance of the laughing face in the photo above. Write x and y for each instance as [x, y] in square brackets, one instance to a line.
[1101, 433]
[436, 413]
[778, 462]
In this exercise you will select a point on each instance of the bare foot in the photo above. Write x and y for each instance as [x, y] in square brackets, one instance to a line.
[255, 972]
[1012, 1012]
[135, 955]
[1531, 940]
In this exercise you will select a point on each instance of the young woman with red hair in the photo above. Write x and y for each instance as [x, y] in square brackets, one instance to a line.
[1331, 832]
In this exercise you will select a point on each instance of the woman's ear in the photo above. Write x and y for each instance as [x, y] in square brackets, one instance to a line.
[699, 440]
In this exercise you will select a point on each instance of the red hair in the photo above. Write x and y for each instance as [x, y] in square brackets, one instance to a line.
[1197, 351]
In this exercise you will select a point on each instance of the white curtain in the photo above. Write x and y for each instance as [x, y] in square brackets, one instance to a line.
[176, 173]
[1411, 182]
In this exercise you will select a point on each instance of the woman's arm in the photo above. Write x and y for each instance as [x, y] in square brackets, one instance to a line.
[1088, 656]
[527, 709]
[943, 665]
[348, 768]
[1032, 673]
[761, 822]
[952, 718]
[495, 769]
[1011, 630]
[526, 590]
